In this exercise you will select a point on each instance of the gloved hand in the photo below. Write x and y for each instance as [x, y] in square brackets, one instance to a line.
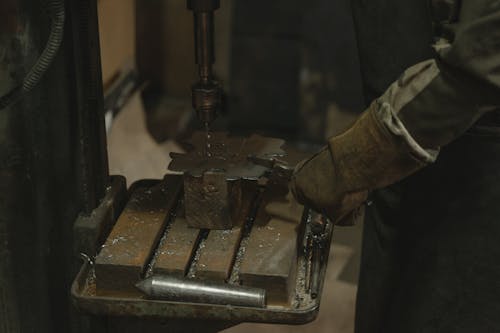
[375, 152]
[314, 184]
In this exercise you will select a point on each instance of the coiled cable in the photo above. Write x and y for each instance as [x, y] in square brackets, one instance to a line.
[57, 15]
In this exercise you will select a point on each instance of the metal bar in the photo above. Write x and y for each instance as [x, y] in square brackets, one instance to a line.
[192, 291]
[205, 54]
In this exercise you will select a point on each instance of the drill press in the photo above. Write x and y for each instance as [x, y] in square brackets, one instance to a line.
[224, 241]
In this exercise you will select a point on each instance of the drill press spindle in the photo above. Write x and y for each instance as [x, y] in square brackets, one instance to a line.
[206, 92]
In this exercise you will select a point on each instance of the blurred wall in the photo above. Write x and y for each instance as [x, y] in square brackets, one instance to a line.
[331, 91]
[294, 65]
[117, 37]
[165, 44]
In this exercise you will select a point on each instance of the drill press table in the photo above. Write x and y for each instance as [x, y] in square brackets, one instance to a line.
[269, 248]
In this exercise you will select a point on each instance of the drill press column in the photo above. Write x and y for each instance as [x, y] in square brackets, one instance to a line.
[207, 92]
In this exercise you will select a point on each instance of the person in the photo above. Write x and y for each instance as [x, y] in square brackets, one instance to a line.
[426, 155]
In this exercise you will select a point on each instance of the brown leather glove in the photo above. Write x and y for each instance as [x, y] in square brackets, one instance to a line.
[314, 185]
[336, 181]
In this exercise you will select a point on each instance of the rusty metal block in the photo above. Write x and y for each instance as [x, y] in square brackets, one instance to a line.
[217, 255]
[211, 201]
[270, 260]
[91, 231]
[221, 246]
[126, 252]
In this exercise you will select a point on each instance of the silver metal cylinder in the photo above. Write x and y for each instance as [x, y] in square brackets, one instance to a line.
[193, 291]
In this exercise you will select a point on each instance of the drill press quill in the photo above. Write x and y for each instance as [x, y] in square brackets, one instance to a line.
[206, 93]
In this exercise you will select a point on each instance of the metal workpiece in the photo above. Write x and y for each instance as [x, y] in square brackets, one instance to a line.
[281, 165]
[211, 201]
[192, 291]
[214, 168]
[230, 154]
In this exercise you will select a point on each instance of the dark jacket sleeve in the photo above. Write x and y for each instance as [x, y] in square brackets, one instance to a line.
[439, 99]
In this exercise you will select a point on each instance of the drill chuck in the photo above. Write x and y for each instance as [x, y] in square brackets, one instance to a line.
[206, 100]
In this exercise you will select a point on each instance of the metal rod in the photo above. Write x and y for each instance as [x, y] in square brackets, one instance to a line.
[204, 36]
[320, 229]
[192, 291]
[309, 259]
[315, 272]
[206, 93]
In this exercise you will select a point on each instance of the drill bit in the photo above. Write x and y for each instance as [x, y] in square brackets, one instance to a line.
[208, 144]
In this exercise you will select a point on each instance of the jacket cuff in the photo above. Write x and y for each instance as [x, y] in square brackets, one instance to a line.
[388, 117]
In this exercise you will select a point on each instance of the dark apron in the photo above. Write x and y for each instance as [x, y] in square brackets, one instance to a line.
[431, 247]
[431, 243]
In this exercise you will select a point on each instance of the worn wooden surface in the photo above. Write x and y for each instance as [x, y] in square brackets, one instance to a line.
[126, 252]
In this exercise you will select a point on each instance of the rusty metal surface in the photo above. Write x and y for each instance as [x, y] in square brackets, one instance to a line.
[301, 309]
[214, 164]
[126, 253]
[272, 250]
[211, 201]
[176, 249]
[218, 253]
[86, 300]
[227, 153]
[221, 246]
[270, 261]
[91, 231]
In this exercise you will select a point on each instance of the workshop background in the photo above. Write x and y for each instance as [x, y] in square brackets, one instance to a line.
[289, 69]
